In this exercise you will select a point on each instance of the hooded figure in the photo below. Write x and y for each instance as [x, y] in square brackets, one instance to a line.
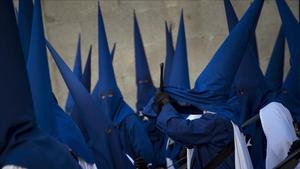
[78, 72]
[176, 76]
[214, 131]
[275, 117]
[22, 143]
[103, 136]
[112, 54]
[145, 87]
[145, 91]
[134, 138]
[50, 117]
[179, 74]
[249, 92]
[25, 16]
[275, 70]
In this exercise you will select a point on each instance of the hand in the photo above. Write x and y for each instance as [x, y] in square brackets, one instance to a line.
[140, 163]
[160, 100]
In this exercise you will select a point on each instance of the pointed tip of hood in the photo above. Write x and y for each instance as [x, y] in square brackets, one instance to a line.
[113, 50]
[145, 87]
[141, 63]
[106, 72]
[77, 70]
[86, 77]
[231, 17]
[39, 75]
[290, 26]
[179, 75]
[219, 74]
[169, 53]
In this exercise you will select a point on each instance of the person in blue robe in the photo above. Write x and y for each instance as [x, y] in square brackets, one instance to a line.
[176, 74]
[213, 131]
[249, 93]
[50, 116]
[22, 143]
[104, 140]
[145, 91]
[133, 135]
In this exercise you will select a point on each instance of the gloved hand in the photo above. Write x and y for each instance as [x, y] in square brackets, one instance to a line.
[160, 100]
[140, 163]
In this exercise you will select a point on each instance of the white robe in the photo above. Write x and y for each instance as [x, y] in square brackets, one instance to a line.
[277, 124]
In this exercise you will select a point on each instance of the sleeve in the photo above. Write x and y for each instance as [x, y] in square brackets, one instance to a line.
[188, 132]
[140, 140]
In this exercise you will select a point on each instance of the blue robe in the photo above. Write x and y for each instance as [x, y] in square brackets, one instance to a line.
[208, 135]
[158, 140]
[134, 138]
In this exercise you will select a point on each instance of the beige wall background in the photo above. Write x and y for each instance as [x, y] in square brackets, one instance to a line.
[205, 25]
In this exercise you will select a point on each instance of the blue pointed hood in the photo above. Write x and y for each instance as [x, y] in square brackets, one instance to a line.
[145, 87]
[22, 143]
[104, 141]
[249, 87]
[108, 93]
[214, 83]
[217, 78]
[50, 117]
[25, 15]
[38, 72]
[78, 72]
[290, 94]
[169, 54]
[112, 53]
[86, 82]
[275, 70]
[179, 76]
[86, 77]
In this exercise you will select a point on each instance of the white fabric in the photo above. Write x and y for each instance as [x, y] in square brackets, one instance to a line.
[130, 159]
[189, 152]
[278, 127]
[242, 158]
[170, 164]
[12, 167]
[84, 165]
